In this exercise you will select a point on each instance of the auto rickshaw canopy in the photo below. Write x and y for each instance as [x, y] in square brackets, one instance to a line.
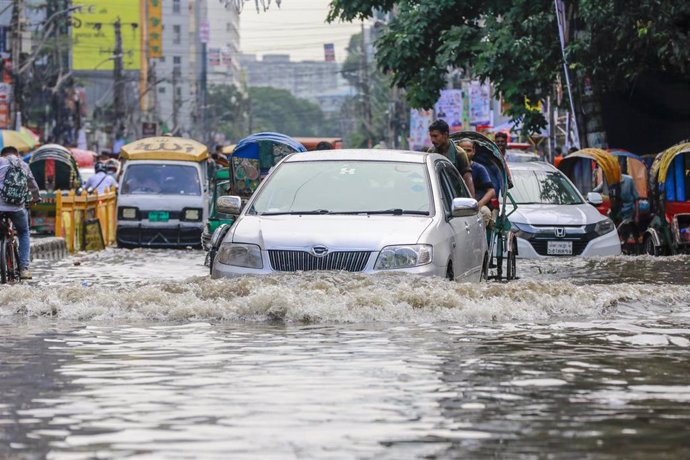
[634, 166]
[606, 161]
[663, 161]
[164, 148]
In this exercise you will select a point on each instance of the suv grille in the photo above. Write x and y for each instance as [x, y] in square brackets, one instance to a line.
[290, 261]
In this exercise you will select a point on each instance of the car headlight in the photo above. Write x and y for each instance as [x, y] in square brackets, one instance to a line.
[128, 213]
[603, 227]
[405, 256]
[520, 232]
[193, 214]
[240, 255]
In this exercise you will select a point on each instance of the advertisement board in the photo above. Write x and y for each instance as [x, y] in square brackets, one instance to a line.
[155, 28]
[93, 34]
[480, 103]
[419, 129]
[449, 108]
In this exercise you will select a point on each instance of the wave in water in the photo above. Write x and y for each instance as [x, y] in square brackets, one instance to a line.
[337, 298]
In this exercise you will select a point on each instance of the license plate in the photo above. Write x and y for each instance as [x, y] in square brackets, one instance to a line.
[559, 248]
[159, 216]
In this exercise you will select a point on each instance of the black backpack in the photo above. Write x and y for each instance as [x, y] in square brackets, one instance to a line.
[15, 188]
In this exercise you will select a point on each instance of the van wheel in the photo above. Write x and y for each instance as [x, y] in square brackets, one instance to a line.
[449, 272]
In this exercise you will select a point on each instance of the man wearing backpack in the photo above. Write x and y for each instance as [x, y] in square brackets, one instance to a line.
[18, 188]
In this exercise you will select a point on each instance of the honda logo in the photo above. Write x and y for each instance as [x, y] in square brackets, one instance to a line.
[559, 232]
[319, 251]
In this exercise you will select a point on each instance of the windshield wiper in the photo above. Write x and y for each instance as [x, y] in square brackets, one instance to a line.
[395, 212]
[297, 213]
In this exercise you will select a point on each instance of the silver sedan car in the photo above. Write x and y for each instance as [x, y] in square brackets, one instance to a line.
[367, 211]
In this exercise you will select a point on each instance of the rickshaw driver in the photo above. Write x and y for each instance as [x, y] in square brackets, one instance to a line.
[485, 190]
[439, 132]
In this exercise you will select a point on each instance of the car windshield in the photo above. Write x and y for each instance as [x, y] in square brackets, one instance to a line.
[346, 187]
[163, 179]
[543, 187]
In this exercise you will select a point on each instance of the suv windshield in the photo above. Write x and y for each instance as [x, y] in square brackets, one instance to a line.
[543, 187]
[336, 187]
[162, 179]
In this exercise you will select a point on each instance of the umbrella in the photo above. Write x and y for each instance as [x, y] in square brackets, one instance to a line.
[36, 138]
[22, 141]
[85, 158]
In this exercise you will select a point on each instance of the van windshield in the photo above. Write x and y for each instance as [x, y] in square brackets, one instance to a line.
[161, 179]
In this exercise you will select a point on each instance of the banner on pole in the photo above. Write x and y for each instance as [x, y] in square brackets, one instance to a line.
[155, 13]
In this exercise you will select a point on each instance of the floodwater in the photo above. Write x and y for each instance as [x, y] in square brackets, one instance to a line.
[139, 355]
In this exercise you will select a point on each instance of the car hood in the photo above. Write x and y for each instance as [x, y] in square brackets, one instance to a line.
[553, 214]
[335, 232]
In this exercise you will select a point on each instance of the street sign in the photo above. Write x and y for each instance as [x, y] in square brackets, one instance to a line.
[204, 32]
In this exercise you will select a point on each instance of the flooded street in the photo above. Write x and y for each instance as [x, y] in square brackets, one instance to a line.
[139, 354]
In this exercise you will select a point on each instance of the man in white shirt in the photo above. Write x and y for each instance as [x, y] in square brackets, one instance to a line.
[100, 181]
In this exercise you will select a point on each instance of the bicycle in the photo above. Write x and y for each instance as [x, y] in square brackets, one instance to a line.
[9, 251]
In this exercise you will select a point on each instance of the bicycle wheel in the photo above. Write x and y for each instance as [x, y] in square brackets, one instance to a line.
[13, 261]
[3, 261]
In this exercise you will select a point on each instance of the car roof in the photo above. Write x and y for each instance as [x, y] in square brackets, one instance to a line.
[531, 166]
[362, 154]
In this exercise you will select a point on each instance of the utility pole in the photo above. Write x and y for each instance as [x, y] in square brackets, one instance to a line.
[366, 101]
[174, 100]
[118, 75]
[16, 28]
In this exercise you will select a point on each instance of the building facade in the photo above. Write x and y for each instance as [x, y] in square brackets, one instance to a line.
[304, 79]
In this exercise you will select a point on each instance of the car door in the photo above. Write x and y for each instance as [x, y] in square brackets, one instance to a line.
[477, 239]
[460, 229]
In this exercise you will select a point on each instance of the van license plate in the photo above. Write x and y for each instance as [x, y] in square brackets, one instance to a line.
[159, 216]
[559, 248]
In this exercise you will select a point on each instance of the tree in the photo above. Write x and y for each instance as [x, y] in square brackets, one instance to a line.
[228, 109]
[370, 105]
[514, 43]
[277, 110]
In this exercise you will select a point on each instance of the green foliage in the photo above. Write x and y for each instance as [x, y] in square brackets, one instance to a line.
[227, 109]
[515, 44]
[277, 110]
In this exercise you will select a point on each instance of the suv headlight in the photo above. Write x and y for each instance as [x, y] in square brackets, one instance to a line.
[240, 255]
[605, 226]
[404, 256]
[520, 233]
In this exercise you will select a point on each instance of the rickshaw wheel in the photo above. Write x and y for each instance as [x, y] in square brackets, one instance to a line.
[649, 247]
[485, 268]
[511, 266]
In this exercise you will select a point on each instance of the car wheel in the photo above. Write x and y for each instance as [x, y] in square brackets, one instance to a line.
[449, 272]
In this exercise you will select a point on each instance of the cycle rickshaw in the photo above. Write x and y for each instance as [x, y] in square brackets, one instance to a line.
[501, 239]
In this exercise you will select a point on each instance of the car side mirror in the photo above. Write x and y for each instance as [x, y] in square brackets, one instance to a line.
[464, 207]
[229, 204]
[595, 199]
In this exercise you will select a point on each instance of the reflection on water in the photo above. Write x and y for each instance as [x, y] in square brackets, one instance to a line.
[141, 361]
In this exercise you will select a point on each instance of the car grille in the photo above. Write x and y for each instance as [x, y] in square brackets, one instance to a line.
[290, 261]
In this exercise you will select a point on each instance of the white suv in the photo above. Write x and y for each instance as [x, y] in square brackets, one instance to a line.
[552, 217]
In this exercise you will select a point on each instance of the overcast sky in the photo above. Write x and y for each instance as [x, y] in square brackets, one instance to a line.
[298, 28]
